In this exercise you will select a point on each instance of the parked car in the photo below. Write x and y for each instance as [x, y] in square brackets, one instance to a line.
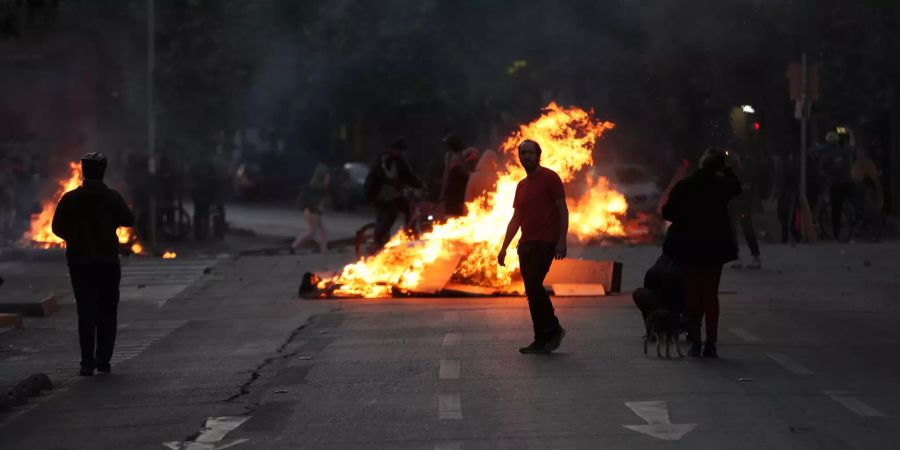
[635, 182]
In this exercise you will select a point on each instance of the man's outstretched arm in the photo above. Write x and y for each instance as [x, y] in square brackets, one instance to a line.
[511, 229]
[563, 211]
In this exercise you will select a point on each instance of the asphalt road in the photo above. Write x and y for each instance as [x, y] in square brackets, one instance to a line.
[808, 351]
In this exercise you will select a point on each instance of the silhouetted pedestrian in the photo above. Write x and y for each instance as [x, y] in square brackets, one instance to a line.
[701, 241]
[311, 200]
[484, 178]
[455, 177]
[836, 165]
[7, 200]
[741, 209]
[385, 185]
[87, 218]
[541, 212]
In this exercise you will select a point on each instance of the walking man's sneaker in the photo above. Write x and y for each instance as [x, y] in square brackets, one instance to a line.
[537, 346]
[104, 368]
[710, 351]
[86, 372]
[555, 340]
[696, 349]
[756, 263]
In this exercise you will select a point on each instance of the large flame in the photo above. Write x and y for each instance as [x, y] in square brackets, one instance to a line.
[40, 233]
[567, 137]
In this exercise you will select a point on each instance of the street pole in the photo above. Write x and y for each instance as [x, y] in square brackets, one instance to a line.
[803, 113]
[808, 227]
[151, 118]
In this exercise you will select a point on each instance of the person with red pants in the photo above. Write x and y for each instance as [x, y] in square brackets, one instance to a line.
[701, 241]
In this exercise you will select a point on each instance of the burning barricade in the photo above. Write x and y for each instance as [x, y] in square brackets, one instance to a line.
[459, 254]
[40, 233]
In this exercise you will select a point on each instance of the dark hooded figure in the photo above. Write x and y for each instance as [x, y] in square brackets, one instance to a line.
[455, 178]
[701, 240]
[385, 185]
[87, 219]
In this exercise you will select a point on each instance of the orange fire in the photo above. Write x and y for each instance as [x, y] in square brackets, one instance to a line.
[40, 233]
[567, 137]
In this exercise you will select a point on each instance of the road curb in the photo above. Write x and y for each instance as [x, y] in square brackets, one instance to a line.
[11, 321]
[43, 308]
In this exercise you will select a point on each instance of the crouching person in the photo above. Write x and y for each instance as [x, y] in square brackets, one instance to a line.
[87, 219]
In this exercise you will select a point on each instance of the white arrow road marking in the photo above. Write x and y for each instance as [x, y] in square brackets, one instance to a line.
[214, 430]
[201, 446]
[656, 414]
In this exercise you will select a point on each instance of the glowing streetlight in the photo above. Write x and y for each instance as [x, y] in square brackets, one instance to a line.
[747, 109]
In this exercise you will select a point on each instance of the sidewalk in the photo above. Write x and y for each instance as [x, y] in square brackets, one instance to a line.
[284, 221]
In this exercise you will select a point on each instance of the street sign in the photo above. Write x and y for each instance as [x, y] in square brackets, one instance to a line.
[794, 81]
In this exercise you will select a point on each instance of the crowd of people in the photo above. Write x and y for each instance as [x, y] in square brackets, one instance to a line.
[394, 189]
[704, 208]
[841, 174]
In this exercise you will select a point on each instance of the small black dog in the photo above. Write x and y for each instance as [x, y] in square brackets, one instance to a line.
[664, 326]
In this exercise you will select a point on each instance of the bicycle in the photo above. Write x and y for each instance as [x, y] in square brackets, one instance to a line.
[173, 223]
[860, 216]
[210, 218]
[870, 219]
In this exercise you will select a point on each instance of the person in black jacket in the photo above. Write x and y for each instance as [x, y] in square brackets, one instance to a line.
[87, 219]
[701, 241]
[389, 177]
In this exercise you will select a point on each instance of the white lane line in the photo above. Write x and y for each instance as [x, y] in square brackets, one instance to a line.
[745, 335]
[790, 364]
[854, 404]
[450, 369]
[451, 339]
[448, 446]
[449, 407]
[451, 316]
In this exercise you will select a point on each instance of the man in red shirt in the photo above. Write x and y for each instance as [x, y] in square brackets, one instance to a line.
[541, 213]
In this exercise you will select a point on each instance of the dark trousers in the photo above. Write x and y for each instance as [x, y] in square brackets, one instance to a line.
[201, 220]
[96, 288]
[386, 214]
[788, 217]
[742, 214]
[534, 263]
[840, 193]
[701, 295]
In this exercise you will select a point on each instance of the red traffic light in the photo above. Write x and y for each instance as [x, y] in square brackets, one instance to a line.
[756, 126]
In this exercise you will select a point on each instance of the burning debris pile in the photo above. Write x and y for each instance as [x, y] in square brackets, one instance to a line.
[40, 233]
[462, 250]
